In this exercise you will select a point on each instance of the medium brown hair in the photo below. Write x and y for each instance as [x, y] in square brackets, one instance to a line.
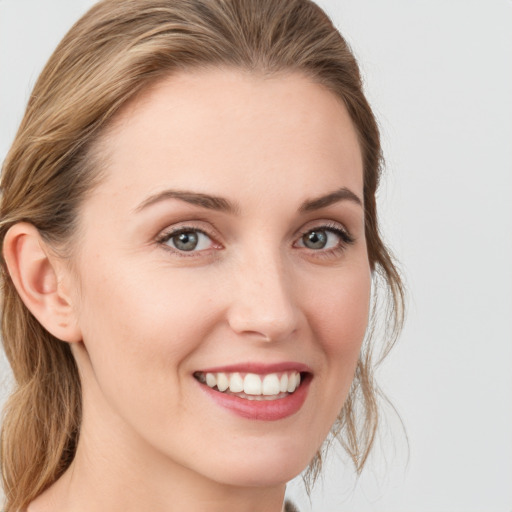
[116, 50]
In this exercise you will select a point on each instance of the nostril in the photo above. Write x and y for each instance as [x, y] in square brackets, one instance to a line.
[261, 335]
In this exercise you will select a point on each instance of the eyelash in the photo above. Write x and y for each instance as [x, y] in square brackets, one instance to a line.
[167, 235]
[346, 239]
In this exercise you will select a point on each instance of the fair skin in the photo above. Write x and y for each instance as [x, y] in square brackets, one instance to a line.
[265, 280]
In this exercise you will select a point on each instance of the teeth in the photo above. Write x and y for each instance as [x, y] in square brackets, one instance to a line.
[283, 383]
[270, 385]
[293, 382]
[211, 380]
[222, 382]
[253, 384]
[236, 383]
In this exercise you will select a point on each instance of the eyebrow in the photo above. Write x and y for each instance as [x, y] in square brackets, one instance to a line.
[223, 205]
[195, 198]
[343, 194]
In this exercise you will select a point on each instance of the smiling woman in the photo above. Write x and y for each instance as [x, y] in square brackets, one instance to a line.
[190, 242]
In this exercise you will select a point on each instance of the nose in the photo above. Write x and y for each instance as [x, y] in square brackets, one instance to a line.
[264, 305]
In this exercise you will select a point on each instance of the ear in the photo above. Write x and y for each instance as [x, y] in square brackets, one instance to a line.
[38, 276]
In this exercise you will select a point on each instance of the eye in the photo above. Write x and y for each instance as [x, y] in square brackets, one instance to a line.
[187, 240]
[325, 238]
[319, 239]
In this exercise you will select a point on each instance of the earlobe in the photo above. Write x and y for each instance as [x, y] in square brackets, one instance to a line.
[35, 274]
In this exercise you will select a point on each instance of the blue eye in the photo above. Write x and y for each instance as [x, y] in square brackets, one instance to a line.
[188, 240]
[320, 239]
[325, 238]
[316, 239]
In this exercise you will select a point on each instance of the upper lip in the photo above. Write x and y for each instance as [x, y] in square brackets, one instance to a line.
[259, 368]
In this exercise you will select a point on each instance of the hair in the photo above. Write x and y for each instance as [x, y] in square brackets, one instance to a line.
[116, 50]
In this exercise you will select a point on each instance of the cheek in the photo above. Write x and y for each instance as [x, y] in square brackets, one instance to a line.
[138, 323]
[340, 310]
[141, 330]
[339, 318]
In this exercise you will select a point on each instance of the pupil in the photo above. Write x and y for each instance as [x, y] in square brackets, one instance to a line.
[186, 241]
[315, 240]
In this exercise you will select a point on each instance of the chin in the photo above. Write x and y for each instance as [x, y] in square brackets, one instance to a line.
[254, 467]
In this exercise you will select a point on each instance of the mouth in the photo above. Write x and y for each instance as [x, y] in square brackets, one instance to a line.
[253, 386]
[257, 392]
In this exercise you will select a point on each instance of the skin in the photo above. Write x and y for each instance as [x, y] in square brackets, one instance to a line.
[148, 316]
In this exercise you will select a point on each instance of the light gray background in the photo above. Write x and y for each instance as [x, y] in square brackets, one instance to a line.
[439, 75]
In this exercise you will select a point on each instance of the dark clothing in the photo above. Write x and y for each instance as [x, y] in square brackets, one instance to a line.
[290, 507]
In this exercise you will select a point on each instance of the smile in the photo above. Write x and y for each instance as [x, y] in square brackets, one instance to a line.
[252, 386]
[257, 392]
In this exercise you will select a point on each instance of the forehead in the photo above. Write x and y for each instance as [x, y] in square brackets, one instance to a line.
[230, 130]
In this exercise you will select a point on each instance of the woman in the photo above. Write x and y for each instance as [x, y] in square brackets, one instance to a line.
[189, 241]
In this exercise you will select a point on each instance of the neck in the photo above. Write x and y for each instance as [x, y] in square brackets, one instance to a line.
[77, 491]
[115, 470]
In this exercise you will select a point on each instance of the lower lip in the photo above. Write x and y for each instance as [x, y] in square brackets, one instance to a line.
[266, 410]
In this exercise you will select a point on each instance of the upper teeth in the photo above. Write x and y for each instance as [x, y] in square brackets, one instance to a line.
[252, 383]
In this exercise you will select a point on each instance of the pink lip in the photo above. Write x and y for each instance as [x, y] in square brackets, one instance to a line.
[266, 410]
[260, 368]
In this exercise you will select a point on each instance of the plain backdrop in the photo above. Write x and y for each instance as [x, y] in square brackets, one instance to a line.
[439, 76]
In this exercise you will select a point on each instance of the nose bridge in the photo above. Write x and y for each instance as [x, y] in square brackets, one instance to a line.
[264, 302]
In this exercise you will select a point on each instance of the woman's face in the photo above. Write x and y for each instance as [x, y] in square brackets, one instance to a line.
[224, 247]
